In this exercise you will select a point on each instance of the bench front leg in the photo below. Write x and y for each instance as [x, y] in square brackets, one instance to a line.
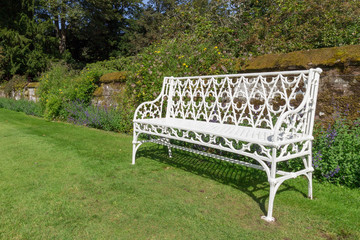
[308, 165]
[136, 144]
[274, 185]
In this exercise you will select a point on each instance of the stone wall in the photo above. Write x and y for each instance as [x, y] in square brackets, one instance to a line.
[111, 89]
[29, 92]
[108, 94]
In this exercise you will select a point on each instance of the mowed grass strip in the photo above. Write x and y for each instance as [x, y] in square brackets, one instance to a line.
[60, 181]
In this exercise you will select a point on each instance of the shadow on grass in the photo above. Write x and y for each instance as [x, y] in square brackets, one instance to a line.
[251, 181]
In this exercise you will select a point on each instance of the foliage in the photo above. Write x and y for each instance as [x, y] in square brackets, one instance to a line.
[286, 26]
[190, 31]
[28, 107]
[2, 63]
[89, 30]
[113, 64]
[35, 32]
[22, 55]
[17, 83]
[336, 156]
[60, 85]
[248, 28]
[26, 42]
[174, 58]
[108, 118]
[335, 151]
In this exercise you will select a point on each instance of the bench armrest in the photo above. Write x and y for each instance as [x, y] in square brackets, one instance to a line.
[150, 109]
[291, 122]
[301, 119]
[157, 107]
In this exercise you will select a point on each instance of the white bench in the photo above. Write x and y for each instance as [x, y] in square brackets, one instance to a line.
[268, 117]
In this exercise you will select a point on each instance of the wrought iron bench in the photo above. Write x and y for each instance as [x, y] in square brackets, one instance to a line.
[268, 117]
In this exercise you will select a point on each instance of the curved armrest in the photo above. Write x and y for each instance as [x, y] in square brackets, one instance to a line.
[302, 110]
[154, 109]
[284, 119]
[150, 109]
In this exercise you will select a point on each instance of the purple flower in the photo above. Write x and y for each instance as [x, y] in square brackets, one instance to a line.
[330, 136]
[317, 159]
[331, 174]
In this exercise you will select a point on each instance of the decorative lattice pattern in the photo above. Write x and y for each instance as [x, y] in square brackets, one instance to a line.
[254, 101]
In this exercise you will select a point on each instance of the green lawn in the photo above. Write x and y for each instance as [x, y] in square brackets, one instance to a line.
[59, 181]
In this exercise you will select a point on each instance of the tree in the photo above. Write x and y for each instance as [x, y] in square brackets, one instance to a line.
[25, 40]
[64, 15]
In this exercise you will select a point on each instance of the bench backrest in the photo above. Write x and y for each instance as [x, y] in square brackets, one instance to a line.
[253, 99]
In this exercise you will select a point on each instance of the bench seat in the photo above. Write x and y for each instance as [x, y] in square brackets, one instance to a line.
[240, 133]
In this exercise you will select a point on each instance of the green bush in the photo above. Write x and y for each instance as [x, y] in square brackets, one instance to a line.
[174, 58]
[336, 157]
[111, 65]
[60, 84]
[2, 63]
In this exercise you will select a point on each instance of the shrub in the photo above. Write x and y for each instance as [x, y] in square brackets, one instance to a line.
[336, 157]
[60, 85]
[174, 58]
[53, 84]
[111, 65]
[2, 63]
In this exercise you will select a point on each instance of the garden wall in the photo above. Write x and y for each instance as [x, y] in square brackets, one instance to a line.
[111, 89]
[28, 92]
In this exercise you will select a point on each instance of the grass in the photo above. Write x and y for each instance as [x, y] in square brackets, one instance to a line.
[60, 181]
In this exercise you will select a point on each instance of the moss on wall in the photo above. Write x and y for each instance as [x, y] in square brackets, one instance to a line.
[98, 91]
[33, 85]
[329, 57]
[16, 84]
[114, 77]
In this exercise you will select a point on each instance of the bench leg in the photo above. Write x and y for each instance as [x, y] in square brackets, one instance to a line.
[274, 185]
[135, 147]
[308, 165]
[269, 217]
[168, 146]
[309, 177]
[310, 189]
[133, 154]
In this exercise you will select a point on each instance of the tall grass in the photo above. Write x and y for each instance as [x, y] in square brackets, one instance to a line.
[28, 107]
[109, 118]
